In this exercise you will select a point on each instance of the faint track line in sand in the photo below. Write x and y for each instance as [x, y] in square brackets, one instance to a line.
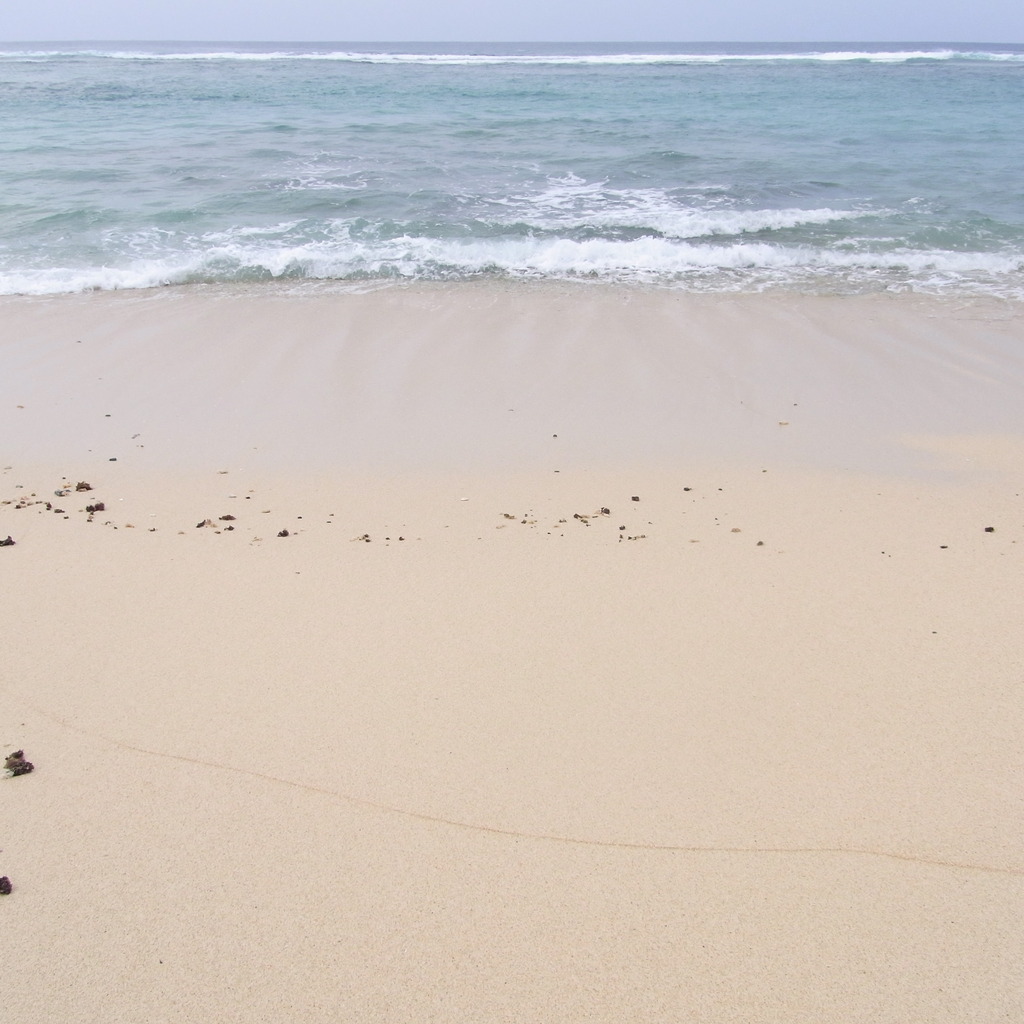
[607, 844]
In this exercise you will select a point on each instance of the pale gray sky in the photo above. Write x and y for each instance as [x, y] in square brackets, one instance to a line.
[515, 20]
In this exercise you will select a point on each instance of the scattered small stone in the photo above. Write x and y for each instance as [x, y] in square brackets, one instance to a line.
[5, 886]
[98, 507]
[112, 460]
[7, 543]
[205, 522]
[990, 529]
[83, 486]
[283, 533]
[228, 518]
[760, 544]
[17, 765]
[736, 529]
[605, 511]
[62, 492]
[636, 497]
[621, 527]
[60, 510]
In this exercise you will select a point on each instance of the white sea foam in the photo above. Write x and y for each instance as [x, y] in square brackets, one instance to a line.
[470, 59]
[571, 203]
[739, 266]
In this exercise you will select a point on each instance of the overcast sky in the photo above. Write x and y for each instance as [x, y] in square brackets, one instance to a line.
[515, 20]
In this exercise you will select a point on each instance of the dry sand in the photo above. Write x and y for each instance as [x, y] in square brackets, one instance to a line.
[465, 747]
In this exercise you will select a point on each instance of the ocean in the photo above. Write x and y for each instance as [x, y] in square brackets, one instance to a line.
[705, 167]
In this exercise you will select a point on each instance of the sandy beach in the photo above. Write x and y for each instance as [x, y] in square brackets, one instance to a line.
[529, 653]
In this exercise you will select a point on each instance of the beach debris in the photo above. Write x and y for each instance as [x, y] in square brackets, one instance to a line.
[283, 533]
[365, 537]
[83, 485]
[990, 529]
[5, 886]
[228, 518]
[62, 492]
[9, 542]
[17, 765]
[605, 511]
[636, 497]
[98, 507]
[60, 510]
[205, 522]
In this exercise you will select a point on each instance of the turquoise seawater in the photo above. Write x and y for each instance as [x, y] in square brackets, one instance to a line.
[821, 168]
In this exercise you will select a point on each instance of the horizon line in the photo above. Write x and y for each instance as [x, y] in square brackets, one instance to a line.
[533, 42]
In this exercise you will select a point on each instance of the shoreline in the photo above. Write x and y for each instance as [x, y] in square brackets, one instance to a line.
[482, 376]
[484, 737]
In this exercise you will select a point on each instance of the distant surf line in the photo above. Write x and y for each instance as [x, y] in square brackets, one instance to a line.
[484, 58]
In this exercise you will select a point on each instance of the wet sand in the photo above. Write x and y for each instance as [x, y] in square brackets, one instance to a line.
[483, 737]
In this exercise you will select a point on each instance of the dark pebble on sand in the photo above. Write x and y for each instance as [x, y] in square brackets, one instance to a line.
[283, 533]
[7, 543]
[17, 765]
[5, 886]
[83, 486]
[990, 529]
[228, 518]
[98, 507]
[636, 497]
